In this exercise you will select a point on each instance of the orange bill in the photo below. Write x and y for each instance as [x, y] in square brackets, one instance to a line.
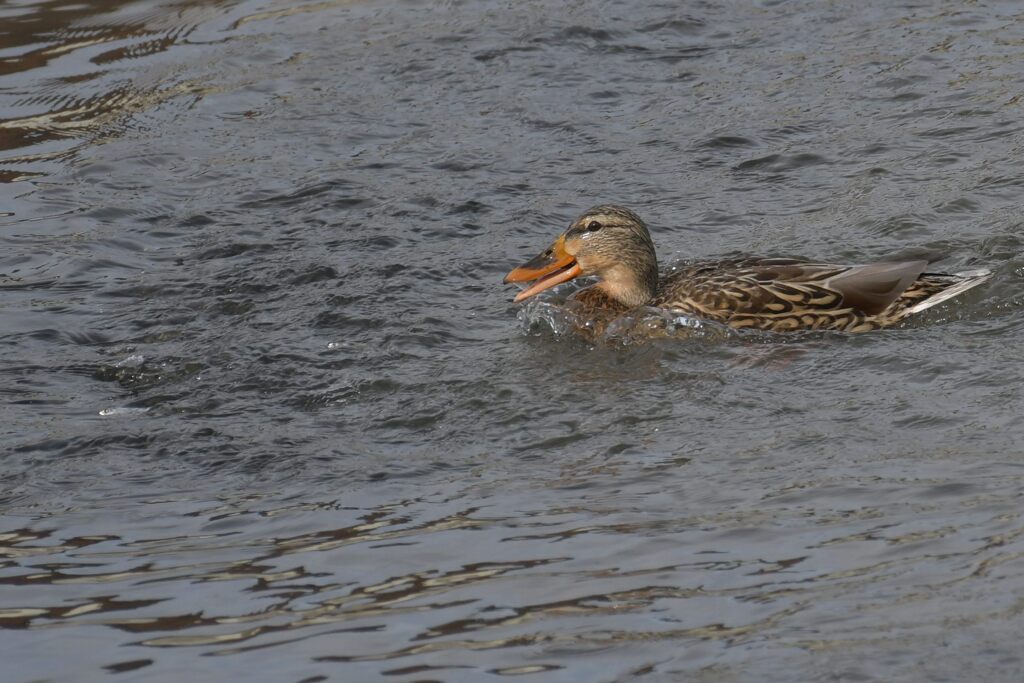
[551, 267]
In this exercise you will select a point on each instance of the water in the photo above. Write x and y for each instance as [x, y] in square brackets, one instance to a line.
[270, 415]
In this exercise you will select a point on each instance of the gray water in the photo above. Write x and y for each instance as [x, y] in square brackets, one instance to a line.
[270, 415]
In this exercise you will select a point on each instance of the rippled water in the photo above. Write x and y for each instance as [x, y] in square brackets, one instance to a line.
[270, 415]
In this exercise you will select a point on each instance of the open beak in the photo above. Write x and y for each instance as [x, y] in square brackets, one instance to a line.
[551, 267]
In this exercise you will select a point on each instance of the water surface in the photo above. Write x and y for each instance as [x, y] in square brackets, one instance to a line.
[269, 414]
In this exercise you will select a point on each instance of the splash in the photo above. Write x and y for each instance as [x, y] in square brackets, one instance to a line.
[566, 319]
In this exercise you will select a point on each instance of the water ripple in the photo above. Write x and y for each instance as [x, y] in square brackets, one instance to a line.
[267, 404]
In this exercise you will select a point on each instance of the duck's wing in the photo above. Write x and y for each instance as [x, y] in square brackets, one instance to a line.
[872, 288]
[774, 287]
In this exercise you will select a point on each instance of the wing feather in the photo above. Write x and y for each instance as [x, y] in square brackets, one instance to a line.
[874, 287]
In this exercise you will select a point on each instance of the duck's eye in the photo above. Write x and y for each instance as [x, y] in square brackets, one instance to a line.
[594, 226]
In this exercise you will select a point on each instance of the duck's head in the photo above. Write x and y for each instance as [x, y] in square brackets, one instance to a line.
[608, 241]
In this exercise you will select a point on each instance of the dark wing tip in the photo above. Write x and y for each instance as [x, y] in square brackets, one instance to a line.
[874, 287]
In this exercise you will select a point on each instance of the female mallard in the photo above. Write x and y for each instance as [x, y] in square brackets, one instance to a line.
[767, 293]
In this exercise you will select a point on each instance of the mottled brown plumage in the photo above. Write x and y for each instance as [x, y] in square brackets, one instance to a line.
[763, 293]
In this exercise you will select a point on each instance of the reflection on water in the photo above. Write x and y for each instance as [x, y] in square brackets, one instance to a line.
[69, 70]
[269, 414]
[424, 585]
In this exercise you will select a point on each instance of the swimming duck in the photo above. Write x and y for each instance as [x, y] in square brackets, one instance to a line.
[777, 294]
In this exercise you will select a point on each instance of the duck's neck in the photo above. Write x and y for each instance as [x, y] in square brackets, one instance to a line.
[632, 284]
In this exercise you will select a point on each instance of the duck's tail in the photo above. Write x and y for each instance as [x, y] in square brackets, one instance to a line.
[932, 289]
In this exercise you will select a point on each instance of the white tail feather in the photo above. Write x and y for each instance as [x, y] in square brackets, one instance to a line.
[971, 278]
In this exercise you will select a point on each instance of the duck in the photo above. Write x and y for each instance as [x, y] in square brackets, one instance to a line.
[613, 244]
